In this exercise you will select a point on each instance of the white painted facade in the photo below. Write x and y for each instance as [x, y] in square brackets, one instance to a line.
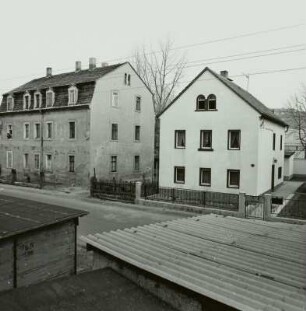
[256, 154]
[104, 114]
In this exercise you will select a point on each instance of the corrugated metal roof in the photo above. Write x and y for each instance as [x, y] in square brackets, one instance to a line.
[18, 216]
[246, 264]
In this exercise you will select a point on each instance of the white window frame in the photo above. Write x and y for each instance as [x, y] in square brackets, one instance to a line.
[35, 130]
[115, 99]
[47, 123]
[24, 130]
[202, 135]
[72, 100]
[49, 167]
[10, 106]
[37, 154]
[117, 132]
[26, 95]
[52, 98]
[37, 105]
[75, 130]
[136, 102]
[137, 169]
[137, 126]
[7, 159]
[175, 175]
[229, 185]
[25, 162]
[176, 133]
[111, 163]
[202, 170]
[230, 139]
[9, 128]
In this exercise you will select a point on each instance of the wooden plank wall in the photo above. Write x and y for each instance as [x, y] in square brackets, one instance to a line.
[46, 254]
[6, 265]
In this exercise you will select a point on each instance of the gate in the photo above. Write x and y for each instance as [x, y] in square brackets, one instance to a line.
[254, 206]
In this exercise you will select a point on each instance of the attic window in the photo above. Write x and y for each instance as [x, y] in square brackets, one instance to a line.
[37, 99]
[72, 95]
[49, 98]
[201, 103]
[10, 103]
[212, 102]
[26, 101]
[127, 79]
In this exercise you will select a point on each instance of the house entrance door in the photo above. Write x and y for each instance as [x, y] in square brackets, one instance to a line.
[272, 177]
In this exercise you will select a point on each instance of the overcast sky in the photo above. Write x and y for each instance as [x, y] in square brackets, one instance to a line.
[36, 34]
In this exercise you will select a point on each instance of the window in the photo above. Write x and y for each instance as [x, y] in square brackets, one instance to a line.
[26, 101]
[180, 139]
[137, 133]
[201, 103]
[72, 95]
[137, 163]
[125, 79]
[48, 162]
[49, 130]
[234, 140]
[274, 141]
[138, 103]
[113, 164]
[281, 143]
[26, 160]
[115, 98]
[37, 161]
[206, 140]
[114, 131]
[9, 132]
[10, 103]
[129, 79]
[26, 130]
[71, 160]
[205, 176]
[37, 131]
[37, 100]
[179, 174]
[212, 102]
[233, 178]
[72, 130]
[49, 98]
[280, 172]
[9, 159]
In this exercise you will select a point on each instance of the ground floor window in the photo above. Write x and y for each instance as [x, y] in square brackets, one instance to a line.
[48, 162]
[26, 160]
[280, 172]
[9, 159]
[233, 178]
[205, 176]
[137, 163]
[71, 163]
[179, 174]
[113, 164]
[37, 161]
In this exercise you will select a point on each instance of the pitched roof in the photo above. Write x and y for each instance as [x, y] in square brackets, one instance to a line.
[243, 94]
[69, 78]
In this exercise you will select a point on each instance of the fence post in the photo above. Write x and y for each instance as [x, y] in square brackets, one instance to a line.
[137, 191]
[241, 205]
[267, 206]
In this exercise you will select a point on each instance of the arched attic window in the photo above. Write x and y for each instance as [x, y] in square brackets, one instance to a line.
[26, 101]
[10, 103]
[37, 100]
[201, 103]
[50, 98]
[212, 102]
[72, 95]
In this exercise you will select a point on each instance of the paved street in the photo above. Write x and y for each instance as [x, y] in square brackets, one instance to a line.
[103, 215]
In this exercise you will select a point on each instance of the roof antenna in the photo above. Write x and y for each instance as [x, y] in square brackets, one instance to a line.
[247, 75]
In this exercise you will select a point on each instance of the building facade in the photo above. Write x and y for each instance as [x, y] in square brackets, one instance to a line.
[70, 126]
[215, 136]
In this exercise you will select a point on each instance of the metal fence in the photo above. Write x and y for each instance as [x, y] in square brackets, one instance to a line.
[113, 190]
[254, 206]
[191, 197]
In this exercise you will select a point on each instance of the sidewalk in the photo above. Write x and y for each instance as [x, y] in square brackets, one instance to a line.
[287, 188]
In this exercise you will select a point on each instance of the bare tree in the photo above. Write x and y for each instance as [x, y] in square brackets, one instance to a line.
[297, 110]
[161, 71]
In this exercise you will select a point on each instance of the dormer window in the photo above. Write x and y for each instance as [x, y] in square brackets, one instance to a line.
[37, 100]
[72, 95]
[212, 102]
[10, 103]
[26, 101]
[49, 98]
[201, 103]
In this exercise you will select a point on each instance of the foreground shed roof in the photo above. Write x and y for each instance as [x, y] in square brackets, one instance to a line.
[245, 264]
[17, 217]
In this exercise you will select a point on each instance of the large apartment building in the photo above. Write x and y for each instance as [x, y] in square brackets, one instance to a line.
[71, 126]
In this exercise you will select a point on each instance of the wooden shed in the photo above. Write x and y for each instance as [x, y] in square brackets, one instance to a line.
[37, 242]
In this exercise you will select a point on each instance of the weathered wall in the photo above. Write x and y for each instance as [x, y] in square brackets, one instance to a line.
[125, 115]
[232, 114]
[6, 265]
[60, 146]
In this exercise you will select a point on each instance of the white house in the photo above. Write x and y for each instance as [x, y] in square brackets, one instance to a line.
[215, 136]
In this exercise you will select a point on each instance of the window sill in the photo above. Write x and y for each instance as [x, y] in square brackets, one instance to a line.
[179, 147]
[201, 110]
[233, 187]
[179, 182]
[234, 149]
[205, 149]
[203, 185]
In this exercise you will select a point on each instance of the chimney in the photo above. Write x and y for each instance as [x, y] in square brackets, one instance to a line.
[104, 64]
[49, 72]
[78, 66]
[92, 63]
[224, 73]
